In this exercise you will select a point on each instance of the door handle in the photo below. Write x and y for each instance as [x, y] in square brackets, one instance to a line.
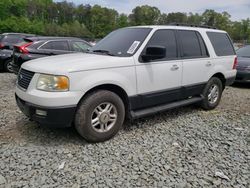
[208, 64]
[174, 67]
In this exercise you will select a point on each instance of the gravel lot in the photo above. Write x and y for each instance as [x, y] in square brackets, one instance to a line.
[186, 147]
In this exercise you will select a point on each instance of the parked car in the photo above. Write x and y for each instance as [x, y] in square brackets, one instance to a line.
[133, 72]
[7, 40]
[243, 67]
[37, 47]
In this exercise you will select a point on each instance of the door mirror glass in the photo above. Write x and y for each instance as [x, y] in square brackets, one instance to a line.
[154, 53]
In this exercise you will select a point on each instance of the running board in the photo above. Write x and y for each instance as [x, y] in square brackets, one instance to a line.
[152, 110]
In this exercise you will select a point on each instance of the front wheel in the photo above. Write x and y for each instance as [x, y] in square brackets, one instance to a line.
[99, 116]
[212, 94]
[8, 66]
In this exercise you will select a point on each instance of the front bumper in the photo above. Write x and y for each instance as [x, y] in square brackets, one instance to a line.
[242, 76]
[53, 117]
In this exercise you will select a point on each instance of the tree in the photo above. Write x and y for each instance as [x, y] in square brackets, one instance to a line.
[145, 15]
[122, 21]
[177, 17]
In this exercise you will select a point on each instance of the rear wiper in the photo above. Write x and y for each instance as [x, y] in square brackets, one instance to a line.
[104, 52]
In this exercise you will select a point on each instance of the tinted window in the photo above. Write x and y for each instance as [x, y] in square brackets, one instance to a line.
[190, 44]
[123, 42]
[56, 45]
[167, 39]
[79, 46]
[244, 51]
[11, 39]
[221, 43]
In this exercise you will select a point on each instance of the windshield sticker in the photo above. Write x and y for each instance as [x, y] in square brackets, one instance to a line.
[133, 47]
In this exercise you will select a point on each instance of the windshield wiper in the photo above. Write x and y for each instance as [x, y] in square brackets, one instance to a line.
[104, 52]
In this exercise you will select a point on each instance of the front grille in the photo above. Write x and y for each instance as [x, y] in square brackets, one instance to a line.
[24, 78]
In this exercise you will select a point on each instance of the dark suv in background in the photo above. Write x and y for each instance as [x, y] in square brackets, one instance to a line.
[243, 67]
[37, 47]
[7, 40]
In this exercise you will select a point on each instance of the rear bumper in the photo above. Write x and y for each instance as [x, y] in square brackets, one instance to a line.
[52, 117]
[242, 76]
[230, 81]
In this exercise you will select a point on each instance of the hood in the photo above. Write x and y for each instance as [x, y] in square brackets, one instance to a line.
[243, 61]
[61, 64]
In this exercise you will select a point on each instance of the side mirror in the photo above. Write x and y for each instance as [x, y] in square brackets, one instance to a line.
[153, 53]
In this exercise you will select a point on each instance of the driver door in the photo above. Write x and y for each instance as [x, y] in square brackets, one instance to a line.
[159, 81]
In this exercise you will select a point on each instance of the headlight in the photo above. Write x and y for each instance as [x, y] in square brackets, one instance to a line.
[52, 83]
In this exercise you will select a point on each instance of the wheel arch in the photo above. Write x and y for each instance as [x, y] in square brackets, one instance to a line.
[113, 88]
[221, 77]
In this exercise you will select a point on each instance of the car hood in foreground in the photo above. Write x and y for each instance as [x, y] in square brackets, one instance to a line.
[62, 64]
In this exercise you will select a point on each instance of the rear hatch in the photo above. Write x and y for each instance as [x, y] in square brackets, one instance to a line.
[20, 49]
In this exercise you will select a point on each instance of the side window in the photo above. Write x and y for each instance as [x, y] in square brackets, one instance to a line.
[221, 43]
[79, 46]
[167, 39]
[190, 44]
[56, 45]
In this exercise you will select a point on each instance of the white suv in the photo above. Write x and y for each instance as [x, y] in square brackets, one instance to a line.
[133, 72]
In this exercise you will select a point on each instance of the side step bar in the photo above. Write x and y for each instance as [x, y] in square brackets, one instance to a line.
[152, 110]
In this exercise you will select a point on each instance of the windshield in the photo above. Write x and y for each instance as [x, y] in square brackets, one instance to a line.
[123, 42]
[244, 51]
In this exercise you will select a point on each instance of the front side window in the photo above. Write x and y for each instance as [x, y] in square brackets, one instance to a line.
[190, 44]
[221, 43]
[122, 42]
[56, 45]
[165, 38]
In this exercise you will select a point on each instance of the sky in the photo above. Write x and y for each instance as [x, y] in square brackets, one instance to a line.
[239, 9]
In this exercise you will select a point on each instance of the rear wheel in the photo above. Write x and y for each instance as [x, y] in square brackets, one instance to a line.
[212, 94]
[7, 66]
[100, 116]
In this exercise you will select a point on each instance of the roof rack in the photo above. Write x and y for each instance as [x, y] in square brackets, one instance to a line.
[192, 25]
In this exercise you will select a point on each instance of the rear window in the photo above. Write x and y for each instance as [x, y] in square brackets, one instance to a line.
[244, 51]
[221, 43]
[11, 39]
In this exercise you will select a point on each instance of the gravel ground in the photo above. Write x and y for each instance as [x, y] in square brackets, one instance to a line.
[186, 147]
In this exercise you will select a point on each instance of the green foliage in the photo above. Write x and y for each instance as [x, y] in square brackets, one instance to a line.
[45, 17]
[144, 15]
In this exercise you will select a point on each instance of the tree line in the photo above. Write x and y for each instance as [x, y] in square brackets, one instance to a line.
[45, 17]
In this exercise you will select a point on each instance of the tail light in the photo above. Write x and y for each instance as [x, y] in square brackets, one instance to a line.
[1, 46]
[235, 63]
[23, 49]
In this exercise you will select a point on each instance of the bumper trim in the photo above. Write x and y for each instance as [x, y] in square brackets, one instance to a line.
[56, 117]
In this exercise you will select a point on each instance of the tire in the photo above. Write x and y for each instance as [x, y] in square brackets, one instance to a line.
[212, 101]
[89, 112]
[7, 66]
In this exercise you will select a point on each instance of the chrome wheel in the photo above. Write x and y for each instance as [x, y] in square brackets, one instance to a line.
[213, 94]
[104, 117]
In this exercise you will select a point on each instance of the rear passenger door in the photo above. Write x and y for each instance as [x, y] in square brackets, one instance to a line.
[159, 81]
[196, 63]
[55, 47]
